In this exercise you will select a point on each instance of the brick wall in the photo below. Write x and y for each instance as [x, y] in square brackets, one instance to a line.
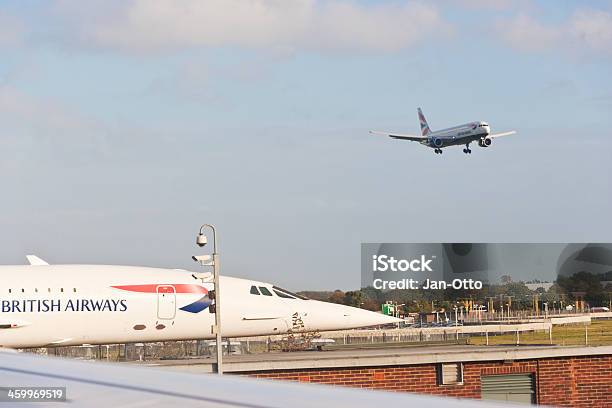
[567, 381]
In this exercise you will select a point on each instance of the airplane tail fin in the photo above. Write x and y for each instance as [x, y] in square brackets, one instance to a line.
[424, 126]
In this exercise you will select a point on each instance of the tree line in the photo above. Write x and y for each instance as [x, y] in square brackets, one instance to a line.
[593, 288]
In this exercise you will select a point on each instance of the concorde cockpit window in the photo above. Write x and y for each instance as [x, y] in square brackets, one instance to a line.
[282, 294]
[265, 291]
[254, 290]
[287, 294]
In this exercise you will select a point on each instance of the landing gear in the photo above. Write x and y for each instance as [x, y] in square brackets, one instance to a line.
[438, 151]
[467, 149]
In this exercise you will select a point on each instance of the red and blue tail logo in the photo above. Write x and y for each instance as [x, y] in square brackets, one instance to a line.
[424, 126]
[180, 288]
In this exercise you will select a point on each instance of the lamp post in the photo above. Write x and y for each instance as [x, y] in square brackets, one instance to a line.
[397, 312]
[216, 329]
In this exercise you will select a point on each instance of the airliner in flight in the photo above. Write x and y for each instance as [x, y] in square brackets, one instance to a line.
[44, 305]
[458, 135]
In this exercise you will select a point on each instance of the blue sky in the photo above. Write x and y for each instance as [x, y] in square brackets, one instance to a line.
[126, 124]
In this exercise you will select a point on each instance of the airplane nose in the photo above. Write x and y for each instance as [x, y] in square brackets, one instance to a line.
[364, 318]
[330, 316]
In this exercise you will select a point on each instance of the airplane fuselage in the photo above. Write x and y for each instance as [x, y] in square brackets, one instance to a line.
[457, 135]
[89, 304]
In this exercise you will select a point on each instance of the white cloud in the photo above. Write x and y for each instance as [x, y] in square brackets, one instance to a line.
[12, 30]
[43, 128]
[594, 28]
[486, 4]
[18, 107]
[585, 30]
[162, 25]
[526, 34]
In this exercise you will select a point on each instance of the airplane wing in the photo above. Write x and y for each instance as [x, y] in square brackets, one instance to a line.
[494, 135]
[36, 261]
[414, 138]
[100, 384]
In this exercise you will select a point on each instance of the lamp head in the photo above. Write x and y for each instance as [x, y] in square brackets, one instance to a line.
[203, 259]
[201, 240]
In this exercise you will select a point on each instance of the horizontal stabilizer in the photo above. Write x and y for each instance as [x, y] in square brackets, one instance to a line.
[36, 261]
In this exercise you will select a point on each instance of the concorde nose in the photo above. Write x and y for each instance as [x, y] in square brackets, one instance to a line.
[364, 318]
[331, 316]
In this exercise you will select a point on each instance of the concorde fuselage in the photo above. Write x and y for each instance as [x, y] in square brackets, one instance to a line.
[87, 304]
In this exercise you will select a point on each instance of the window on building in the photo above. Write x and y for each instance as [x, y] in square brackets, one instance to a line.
[265, 291]
[518, 388]
[254, 290]
[450, 373]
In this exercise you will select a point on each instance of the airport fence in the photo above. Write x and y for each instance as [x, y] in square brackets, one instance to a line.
[562, 330]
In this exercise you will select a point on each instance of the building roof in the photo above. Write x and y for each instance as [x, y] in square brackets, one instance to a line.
[376, 357]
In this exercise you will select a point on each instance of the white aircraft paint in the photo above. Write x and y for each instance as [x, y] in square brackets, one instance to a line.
[46, 305]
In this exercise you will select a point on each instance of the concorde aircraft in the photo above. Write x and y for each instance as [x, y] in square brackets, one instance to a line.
[465, 134]
[44, 305]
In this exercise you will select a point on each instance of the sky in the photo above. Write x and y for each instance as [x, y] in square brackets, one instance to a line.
[124, 125]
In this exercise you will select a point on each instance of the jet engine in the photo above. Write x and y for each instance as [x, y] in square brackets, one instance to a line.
[485, 142]
[437, 142]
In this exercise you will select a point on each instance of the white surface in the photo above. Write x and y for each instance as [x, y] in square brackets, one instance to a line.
[96, 384]
[132, 316]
